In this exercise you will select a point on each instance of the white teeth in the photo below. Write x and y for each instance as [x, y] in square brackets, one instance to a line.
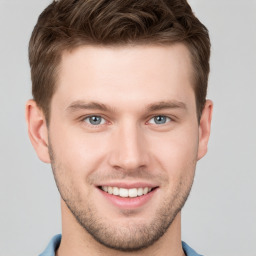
[133, 192]
[115, 191]
[124, 192]
[145, 191]
[140, 191]
[110, 190]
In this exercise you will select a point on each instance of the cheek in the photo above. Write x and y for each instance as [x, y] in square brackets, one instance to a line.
[177, 159]
[77, 152]
[176, 151]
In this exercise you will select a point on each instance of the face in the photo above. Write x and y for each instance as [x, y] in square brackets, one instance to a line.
[123, 140]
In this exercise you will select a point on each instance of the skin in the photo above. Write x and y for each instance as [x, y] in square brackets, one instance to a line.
[136, 84]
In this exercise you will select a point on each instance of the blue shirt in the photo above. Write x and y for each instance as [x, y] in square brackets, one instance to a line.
[55, 242]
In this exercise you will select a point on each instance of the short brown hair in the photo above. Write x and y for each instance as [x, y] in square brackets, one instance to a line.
[67, 24]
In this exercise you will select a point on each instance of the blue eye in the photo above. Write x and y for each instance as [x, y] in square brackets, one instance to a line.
[95, 120]
[159, 120]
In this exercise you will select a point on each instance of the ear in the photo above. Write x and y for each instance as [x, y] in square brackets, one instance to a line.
[37, 130]
[205, 129]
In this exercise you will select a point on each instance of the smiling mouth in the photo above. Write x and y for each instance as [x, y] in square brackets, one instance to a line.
[124, 192]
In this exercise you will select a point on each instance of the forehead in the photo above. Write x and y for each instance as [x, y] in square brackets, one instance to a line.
[137, 72]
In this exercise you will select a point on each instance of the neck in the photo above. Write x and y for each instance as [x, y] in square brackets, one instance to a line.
[78, 242]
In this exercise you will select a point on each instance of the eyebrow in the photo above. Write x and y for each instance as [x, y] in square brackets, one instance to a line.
[81, 105]
[167, 105]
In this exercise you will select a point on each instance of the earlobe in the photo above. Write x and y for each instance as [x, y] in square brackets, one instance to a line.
[205, 129]
[37, 130]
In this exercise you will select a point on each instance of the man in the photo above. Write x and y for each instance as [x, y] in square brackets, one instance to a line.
[119, 111]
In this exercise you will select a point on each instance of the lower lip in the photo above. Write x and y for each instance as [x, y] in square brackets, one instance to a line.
[129, 202]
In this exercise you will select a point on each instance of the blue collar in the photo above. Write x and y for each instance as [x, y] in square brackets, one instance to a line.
[55, 242]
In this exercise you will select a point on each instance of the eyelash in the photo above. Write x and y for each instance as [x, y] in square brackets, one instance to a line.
[148, 122]
[166, 117]
[87, 117]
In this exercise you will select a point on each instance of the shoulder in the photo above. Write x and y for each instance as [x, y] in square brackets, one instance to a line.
[189, 251]
[52, 246]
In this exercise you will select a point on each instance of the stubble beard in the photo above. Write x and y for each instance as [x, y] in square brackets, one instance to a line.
[132, 236]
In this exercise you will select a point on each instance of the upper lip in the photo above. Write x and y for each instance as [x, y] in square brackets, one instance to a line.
[127, 185]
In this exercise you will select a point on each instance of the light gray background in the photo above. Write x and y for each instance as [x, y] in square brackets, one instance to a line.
[219, 217]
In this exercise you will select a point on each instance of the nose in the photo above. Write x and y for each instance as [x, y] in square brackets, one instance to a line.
[128, 148]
